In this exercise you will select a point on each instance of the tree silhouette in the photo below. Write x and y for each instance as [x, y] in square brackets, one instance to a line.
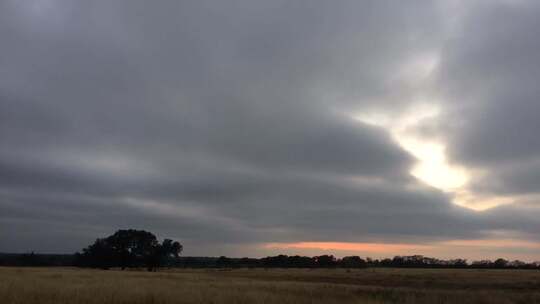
[223, 261]
[500, 263]
[353, 262]
[326, 261]
[129, 248]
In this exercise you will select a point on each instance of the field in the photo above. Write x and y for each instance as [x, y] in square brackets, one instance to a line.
[75, 286]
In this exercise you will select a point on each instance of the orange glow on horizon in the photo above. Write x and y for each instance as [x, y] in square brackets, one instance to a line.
[470, 249]
[343, 246]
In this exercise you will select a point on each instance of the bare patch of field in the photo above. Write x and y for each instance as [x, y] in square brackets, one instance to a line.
[76, 286]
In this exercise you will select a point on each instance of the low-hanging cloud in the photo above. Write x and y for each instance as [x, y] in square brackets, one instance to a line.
[224, 122]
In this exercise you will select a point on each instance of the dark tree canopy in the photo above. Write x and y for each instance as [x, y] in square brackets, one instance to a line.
[129, 248]
[353, 262]
[102, 254]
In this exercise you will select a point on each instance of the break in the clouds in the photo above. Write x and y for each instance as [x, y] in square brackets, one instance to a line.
[232, 125]
[490, 73]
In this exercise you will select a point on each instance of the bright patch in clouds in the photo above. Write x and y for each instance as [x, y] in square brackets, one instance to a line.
[433, 167]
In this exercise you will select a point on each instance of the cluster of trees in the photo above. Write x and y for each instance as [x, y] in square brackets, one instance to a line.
[329, 261]
[35, 259]
[322, 261]
[284, 261]
[502, 263]
[138, 248]
[127, 249]
[279, 261]
[419, 261]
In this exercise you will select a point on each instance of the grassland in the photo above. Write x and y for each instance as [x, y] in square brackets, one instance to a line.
[76, 286]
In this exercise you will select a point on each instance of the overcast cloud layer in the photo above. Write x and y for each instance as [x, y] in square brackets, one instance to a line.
[224, 123]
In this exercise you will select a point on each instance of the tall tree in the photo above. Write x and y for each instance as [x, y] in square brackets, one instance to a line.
[129, 248]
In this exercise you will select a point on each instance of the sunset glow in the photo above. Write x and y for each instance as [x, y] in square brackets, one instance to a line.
[473, 248]
[341, 246]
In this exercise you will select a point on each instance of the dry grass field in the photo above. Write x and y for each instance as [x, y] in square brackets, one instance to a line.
[76, 286]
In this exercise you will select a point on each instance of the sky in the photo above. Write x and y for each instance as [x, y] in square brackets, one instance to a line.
[253, 128]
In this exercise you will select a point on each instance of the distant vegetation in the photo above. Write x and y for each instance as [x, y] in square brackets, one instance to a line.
[279, 261]
[141, 249]
[128, 249]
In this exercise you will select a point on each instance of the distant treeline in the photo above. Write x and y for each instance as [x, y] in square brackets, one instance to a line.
[141, 249]
[36, 260]
[279, 261]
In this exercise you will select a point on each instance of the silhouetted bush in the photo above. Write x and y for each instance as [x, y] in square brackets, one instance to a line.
[129, 248]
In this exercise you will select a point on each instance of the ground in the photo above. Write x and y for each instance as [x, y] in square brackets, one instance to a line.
[75, 286]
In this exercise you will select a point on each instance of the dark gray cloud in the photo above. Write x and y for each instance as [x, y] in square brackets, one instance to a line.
[489, 74]
[225, 122]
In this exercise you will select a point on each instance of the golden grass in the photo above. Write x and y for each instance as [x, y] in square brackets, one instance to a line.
[377, 286]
